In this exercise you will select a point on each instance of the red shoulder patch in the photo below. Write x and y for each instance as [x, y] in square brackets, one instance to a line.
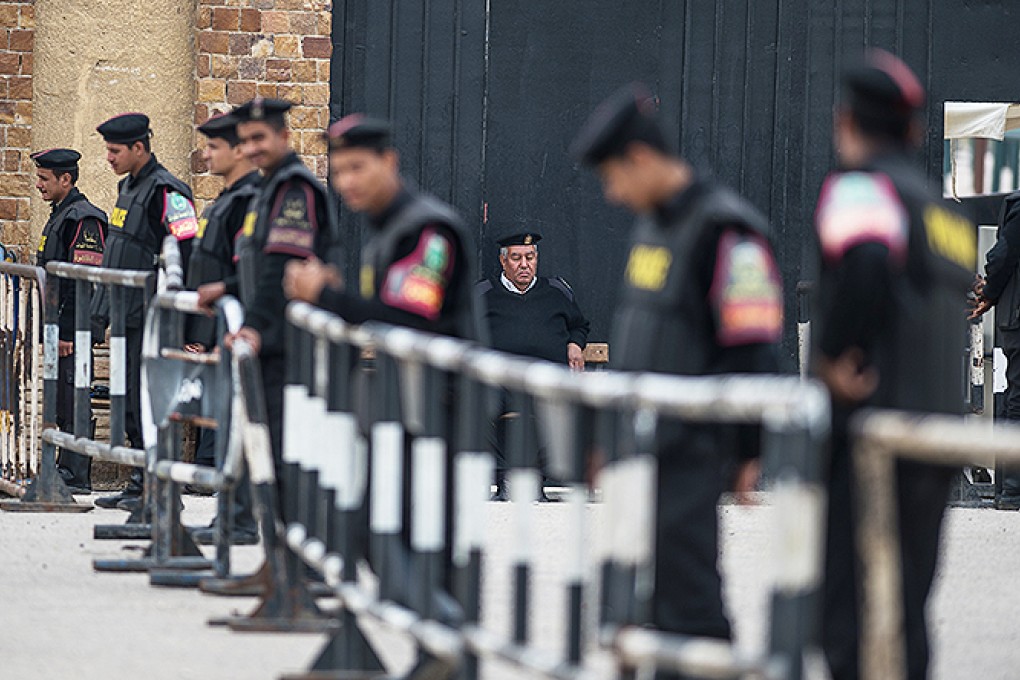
[747, 291]
[860, 207]
[418, 283]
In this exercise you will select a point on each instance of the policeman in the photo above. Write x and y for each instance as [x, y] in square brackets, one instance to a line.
[701, 294]
[895, 267]
[212, 260]
[531, 315]
[289, 219]
[151, 204]
[76, 233]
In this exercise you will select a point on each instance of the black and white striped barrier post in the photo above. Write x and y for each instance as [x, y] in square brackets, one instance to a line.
[804, 290]
[386, 482]
[47, 492]
[525, 488]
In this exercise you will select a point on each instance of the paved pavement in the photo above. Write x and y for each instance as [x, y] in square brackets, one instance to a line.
[60, 619]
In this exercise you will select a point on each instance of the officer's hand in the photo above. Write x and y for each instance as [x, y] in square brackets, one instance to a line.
[248, 335]
[209, 293]
[849, 378]
[575, 356]
[746, 481]
[304, 280]
[65, 348]
[978, 306]
[979, 285]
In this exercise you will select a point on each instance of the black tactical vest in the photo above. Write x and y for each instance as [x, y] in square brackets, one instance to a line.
[71, 213]
[920, 353]
[461, 317]
[133, 241]
[661, 323]
[212, 257]
[256, 227]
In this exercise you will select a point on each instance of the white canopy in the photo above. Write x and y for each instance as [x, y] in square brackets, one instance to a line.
[980, 119]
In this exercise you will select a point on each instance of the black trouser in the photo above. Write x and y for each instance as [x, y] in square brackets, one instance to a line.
[273, 375]
[205, 447]
[205, 454]
[688, 587]
[133, 402]
[76, 464]
[922, 492]
[1010, 342]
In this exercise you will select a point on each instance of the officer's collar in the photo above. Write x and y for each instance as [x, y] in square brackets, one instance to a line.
[72, 196]
[680, 203]
[252, 177]
[402, 198]
[289, 159]
[147, 169]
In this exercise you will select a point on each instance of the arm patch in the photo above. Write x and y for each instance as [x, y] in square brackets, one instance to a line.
[418, 282]
[87, 246]
[179, 215]
[292, 223]
[746, 293]
[860, 207]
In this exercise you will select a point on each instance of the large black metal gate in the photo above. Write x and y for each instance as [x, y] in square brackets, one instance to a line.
[486, 95]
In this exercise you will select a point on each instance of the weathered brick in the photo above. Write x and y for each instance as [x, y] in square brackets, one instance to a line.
[14, 184]
[211, 90]
[10, 63]
[27, 63]
[19, 137]
[251, 20]
[6, 112]
[11, 161]
[303, 23]
[312, 142]
[249, 68]
[262, 47]
[202, 66]
[278, 70]
[316, 47]
[223, 67]
[214, 41]
[226, 19]
[24, 210]
[304, 118]
[8, 209]
[207, 186]
[304, 71]
[198, 165]
[289, 4]
[203, 19]
[27, 18]
[274, 22]
[201, 113]
[20, 88]
[290, 92]
[241, 43]
[268, 90]
[316, 94]
[8, 15]
[240, 91]
[325, 20]
[23, 113]
[22, 40]
[323, 70]
[286, 46]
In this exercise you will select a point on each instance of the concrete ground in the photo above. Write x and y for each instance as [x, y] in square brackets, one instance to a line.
[61, 619]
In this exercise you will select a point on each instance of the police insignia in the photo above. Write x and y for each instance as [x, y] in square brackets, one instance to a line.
[292, 225]
[860, 207]
[418, 282]
[367, 281]
[87, 247]
[648, 267]
[42, 243]
[117, 217]
[202, 224]
[249, 223]
[179, 216]
[746, 291]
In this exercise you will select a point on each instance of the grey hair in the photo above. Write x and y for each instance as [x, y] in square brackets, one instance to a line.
[505, 250]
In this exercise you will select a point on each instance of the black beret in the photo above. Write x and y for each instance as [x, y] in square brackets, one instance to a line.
[523, 238]
[221, 126]
[627, 116]
[56, 159]
[359, 131]
[126, 128]
[261, 109]
[881, 87]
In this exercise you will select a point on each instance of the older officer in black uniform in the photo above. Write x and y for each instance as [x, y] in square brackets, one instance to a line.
[701, 294]
[212, 260]
[76, 233]
[895, 267]
[151, 204]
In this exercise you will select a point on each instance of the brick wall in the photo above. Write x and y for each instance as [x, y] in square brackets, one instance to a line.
[272, 48]
[17, 31]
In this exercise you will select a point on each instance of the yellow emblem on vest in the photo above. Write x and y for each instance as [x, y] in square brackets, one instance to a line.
[201, 227]
[249, 223]
[648, 267]
[951, 236]
[42, 243]
[117, 217]
[367, 281]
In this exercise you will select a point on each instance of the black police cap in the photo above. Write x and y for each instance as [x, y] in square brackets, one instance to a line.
[882, 88]
[56, 159]
[359, 131]
[523, 238]
[220, 126]
[126, 128]
[629, 115]
[261, 109]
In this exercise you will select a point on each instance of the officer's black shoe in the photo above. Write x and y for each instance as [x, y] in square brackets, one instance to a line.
[238, 536]
[111, 502]
[79, 489]
[502, 493]
[1007, 503]
[129, 504]
[198, 490]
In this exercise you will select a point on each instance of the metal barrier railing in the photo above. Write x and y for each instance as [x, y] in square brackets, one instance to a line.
[330, 488]
[883, 437]
[21, 373]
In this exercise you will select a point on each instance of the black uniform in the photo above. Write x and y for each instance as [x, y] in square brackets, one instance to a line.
[538, 323]
[701, 295]
[896, 264]
[76, 233]
[149, 207]
[288, 219]
[1002, 286]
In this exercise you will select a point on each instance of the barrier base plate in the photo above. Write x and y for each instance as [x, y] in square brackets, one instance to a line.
[172, 578]
[21, 506]
[247, 624]
[335, 675]
[114, 532]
